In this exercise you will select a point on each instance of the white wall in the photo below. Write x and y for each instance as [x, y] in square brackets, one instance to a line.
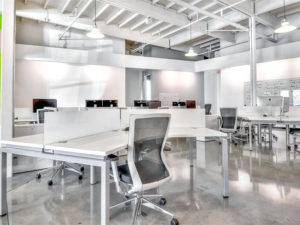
[188, 86]
[211, 85]
[70, 84]
[232, 79]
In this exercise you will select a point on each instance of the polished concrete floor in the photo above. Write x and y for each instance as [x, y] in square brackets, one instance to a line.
[264, 189]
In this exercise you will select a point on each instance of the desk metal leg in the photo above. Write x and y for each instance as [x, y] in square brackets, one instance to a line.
[250, 136]
[191, 149]
[93, 179]
[270, 135]
[287, 136]
[105, 193]
[3, 185]
[259, 133]
[225, 167]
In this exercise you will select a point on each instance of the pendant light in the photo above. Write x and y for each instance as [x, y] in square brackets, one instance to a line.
[95, 33]
[191, 52]
[285, 26]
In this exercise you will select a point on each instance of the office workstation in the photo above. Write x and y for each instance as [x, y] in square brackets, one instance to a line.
[150, 112]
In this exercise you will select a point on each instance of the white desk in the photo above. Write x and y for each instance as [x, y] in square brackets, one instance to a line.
[93, 150]
[259, 120]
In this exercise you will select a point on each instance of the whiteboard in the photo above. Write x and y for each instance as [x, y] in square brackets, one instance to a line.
[272, 88]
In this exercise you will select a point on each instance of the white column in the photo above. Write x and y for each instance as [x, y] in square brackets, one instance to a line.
[252, 42]
[7, 73]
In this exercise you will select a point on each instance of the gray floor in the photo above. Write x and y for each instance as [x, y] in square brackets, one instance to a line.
[264, 189]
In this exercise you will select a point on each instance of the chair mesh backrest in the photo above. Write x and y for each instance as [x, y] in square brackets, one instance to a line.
[148, 142]
[229, 117]
[41, 114]
[207, 108]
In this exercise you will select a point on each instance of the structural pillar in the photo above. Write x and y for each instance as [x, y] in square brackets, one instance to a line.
[252, 41]
[7, 73]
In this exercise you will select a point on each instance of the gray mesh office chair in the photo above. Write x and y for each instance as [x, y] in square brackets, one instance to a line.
[146, 168]
[229, 124]
[58, 167]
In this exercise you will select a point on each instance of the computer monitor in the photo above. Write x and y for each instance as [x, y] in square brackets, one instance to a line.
[154, 104]
[110, 103]
[38, 103]
[140, 103]
[93, 103]
[191, 104]
[178, 104]
[207, 109]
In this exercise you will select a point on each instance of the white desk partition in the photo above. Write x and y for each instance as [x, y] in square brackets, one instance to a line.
[294, 111]
[258, 111]
[66, 125]
[179, 117]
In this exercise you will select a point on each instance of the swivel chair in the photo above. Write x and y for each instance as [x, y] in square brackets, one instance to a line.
[146, 168]
[58, 167]
[229, 124]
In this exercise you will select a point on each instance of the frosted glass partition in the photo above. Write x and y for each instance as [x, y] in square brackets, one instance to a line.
[259, 111]
[179, 117]
[66, 125]
[294, 111]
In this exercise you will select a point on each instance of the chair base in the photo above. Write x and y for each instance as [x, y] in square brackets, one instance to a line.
[60, 169]
[143, 200]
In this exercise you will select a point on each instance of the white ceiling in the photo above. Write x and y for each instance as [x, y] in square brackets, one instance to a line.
[157, 22]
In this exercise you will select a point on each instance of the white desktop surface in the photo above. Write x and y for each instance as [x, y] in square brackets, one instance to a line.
[102, 144]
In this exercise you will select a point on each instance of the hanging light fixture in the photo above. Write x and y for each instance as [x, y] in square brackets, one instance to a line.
[285, 26]
[191, 52]
[95, 33]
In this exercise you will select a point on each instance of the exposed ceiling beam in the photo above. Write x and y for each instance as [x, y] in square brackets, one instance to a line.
[169, 5]
[138, 24]
[205, 41]
[46, 3]
[65, 6]
[268, 20]
[185, 8]
[162, 29]
[227, 36]
[209, 14]
[128, 19]
[155, 1]
[34, 11]
[150, 27]
[101, 11]
[205, 7]
[81, 11]
[149, 10]
[115, 16]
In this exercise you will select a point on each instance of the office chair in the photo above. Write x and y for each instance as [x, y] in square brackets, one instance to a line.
[59, 167]
[146, 168]
[295, 132]
[230, 124]
[207, 108]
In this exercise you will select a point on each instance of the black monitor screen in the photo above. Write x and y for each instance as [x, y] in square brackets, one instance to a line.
[93, 103]
[42, 103]
[110, 103]
[140, 103]
[178, 103]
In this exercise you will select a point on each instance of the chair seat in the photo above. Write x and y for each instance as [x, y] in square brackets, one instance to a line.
[294, 130]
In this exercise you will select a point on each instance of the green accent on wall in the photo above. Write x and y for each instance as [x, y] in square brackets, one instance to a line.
[0, 21]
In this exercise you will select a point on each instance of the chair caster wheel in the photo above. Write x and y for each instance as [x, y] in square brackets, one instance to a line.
[174, 221]
[80, 177]
[82, 169]
[289, 148]
[38, 176]
[50, 182]
[235, 144]
[163, 201]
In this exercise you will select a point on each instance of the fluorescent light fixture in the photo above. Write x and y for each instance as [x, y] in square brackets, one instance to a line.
[285, 27]
[95, 33]
[191, 53]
